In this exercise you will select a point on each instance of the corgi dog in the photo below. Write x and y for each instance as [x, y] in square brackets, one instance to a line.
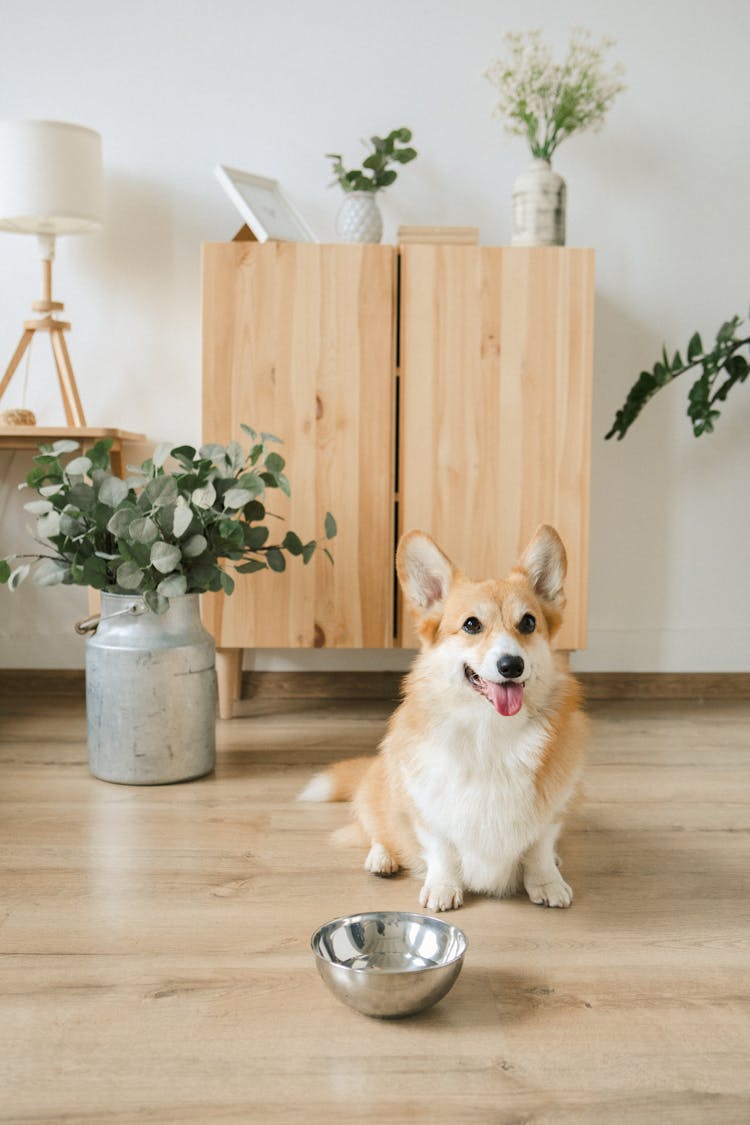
[484, 754]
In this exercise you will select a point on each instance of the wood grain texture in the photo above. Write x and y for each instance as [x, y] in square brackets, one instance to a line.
[496, 357]
[155, 965]
[298, 340]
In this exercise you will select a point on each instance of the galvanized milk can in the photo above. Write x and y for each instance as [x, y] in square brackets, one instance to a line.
[150, 692]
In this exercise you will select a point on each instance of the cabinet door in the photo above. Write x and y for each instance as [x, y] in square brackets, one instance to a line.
[496, 354]
[298, 340]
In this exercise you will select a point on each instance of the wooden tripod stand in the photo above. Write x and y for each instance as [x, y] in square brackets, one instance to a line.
[49, 323]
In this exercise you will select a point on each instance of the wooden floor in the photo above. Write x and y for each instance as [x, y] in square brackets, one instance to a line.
[155, 965]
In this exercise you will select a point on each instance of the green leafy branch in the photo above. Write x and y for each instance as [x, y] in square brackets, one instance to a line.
[158, 533]
[385, 150]
[721, 368]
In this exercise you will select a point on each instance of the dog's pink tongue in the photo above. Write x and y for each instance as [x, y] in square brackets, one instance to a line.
[507, 699]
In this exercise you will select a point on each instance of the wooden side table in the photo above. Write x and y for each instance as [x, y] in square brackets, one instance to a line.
[31, 437]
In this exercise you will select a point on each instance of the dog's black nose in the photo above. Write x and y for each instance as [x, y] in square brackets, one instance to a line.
[510, 666]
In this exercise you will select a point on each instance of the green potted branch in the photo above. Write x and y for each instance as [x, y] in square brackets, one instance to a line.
[359, 219]
[721, 368]
[547, 102]
[151, 544]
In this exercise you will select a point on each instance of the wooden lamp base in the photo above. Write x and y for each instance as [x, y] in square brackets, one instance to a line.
[49, 323]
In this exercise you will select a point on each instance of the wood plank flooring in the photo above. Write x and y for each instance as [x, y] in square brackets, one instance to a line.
[155, 965]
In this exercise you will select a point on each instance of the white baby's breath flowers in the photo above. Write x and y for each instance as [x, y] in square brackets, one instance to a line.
[546, 101]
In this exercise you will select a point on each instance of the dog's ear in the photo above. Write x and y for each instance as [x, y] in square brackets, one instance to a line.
[425, 573]
[546, 565]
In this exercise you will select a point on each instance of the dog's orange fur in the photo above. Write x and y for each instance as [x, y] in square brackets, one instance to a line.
[470, 784]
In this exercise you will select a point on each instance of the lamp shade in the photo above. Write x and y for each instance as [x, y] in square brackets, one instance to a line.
[50, 177]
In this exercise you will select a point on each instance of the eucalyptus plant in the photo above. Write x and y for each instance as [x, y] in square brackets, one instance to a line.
[545, 101]
[394, 148]
[721, 367]
[160, 532]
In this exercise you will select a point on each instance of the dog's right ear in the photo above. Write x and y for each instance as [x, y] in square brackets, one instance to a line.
[425, 574]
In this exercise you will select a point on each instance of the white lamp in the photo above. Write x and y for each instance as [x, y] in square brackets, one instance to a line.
[50, 184]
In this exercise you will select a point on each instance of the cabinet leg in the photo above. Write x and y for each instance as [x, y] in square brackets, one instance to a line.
[229, 677]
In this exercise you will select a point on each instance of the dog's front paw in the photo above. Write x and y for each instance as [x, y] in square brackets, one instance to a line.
[441, 896]
[380, 861]
[555, 892]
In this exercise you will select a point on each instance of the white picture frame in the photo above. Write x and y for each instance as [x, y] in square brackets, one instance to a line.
[263, 206]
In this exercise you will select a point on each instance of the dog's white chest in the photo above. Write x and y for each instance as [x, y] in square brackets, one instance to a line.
[476, 791]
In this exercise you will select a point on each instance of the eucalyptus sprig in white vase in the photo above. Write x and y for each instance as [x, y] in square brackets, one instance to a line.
[359, 218]
[546, 102]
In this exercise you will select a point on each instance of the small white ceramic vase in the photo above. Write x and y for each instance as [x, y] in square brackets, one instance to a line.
[539, 198]
[359, 218]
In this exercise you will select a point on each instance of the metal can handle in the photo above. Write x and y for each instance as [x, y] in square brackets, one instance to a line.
[91, 624]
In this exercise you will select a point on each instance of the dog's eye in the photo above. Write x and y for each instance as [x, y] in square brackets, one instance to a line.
[527, 624]
[472, 625]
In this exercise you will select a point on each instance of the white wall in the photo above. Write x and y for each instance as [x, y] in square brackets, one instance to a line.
[176, 86]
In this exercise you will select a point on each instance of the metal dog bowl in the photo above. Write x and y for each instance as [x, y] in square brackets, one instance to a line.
[389, 963]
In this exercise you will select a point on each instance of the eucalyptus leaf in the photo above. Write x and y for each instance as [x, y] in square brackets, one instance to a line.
[156, 602]
[112, 491]
[251, 566]
[4, 570]
[237, 498]
[194, 546]
[48, 525]
[160, 454]
[65, 445]
[292, 543]
[173, 586]
[143, 530]
[183, 517]
[17, 576]
[72, 524]
[120, 523]
[83, 496]
[39, 507]
[50, 572]
[235, 455]
[185, 454]
[99, 453]
[274, 462]
[204, 497]
[251, 483]
[78, 467]
[165, 557]
[50, 489]
[212, 451]
[283, 484]
[330, 526]
[129, 576]
[162, 490]
[255, 537]
[275, 559]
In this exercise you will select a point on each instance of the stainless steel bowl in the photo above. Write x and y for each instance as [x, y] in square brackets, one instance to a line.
[389, 963]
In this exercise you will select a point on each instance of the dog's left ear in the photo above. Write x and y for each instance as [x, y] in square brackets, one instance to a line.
[546, 564]
[425, 573]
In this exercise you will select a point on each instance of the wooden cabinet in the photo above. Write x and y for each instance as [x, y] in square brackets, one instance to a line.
[441, 387]
[495, 420]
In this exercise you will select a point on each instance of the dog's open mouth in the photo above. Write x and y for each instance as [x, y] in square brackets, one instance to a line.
[505, 697]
